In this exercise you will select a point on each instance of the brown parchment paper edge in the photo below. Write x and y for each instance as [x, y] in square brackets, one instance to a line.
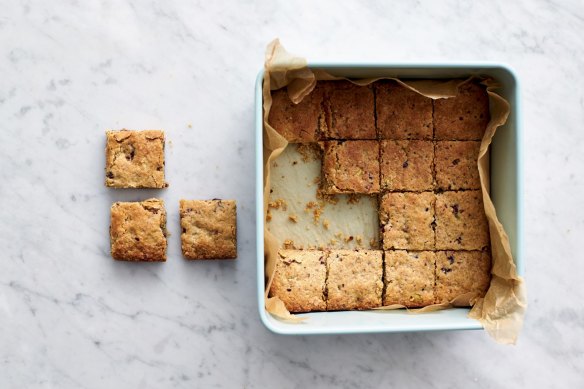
[502, 309]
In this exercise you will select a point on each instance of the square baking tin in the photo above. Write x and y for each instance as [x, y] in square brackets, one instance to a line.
[506, 193]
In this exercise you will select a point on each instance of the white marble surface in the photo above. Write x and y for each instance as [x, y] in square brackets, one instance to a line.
[73, 318]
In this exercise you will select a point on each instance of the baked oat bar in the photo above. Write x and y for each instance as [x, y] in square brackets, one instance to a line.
[407, 220]
[135, 159]
[461, 223]
[298, 123]
[461, 272]
[402, 113]
[406, 165]
[208, 229]
[299, 280]
[354, 279]
[456, 165]
[138, 231]
[409, 278]
[351, 167]
[464, 117]
[350, 111]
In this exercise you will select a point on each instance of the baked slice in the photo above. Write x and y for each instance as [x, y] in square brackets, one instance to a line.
[135, 159]
[409, 278]
[138, 231]
[406, 165]
[299, 280]
[402, 113]
[354, 279]
[462, 272]
[407, 220]
[464, 117]
[351, 167]
[209, 229]
[298, 123]
[456, 165]
[461, 223]
[350, 111]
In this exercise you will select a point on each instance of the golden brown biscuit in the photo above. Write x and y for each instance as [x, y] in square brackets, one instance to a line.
[351, 167]
[209, 229]
[299, 280]
[461, 272]
[135, 159]
[407, 220]
[456, 165]
[298, 123]
[464, 117]
[406, 165]
[350, 111]
[409, 278]
[138, 231]
[402, 113]
[461, 223]
[354, 279]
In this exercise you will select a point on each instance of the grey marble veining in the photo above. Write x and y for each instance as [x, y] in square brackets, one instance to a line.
[73, 318]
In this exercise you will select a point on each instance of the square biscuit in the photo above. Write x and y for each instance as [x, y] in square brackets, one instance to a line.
[461, 223]
[402, 113]
[409, 278]
[209, 229]
[354, 279]
[461, 272]
[299, 280]
[406, 165]
[464, 117]
[351, 167]
[407, 220]
[456, 165]
[350, 111]
[138, 231]
[298, 123]
[134, 159]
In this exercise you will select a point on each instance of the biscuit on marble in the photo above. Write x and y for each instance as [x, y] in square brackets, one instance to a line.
[209, 229]
[135, 159]
[138, 231]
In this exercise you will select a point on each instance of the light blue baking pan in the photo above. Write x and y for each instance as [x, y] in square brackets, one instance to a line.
[506, 192]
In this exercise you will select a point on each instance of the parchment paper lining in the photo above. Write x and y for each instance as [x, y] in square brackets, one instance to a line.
[502, 309]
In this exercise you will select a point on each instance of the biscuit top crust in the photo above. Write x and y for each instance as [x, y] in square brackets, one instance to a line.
[350, 111]
[135, 159]
[299, 280]
[138, 230]
[464, 117]
[351, 167]
[402, 113]
[298, 123]
[209, 229]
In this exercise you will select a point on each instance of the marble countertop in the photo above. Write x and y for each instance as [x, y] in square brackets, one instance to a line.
[72, 317]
